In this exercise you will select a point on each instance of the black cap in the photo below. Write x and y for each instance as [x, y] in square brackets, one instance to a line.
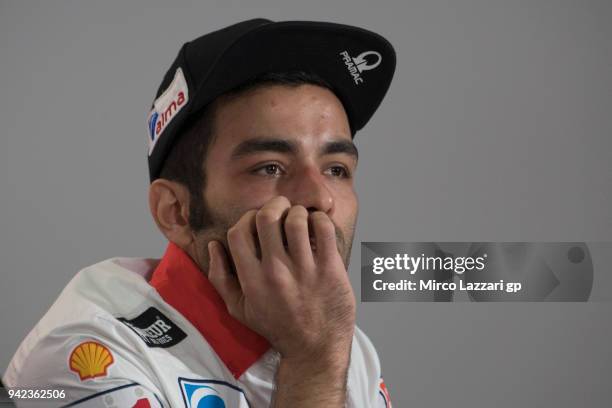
[357, 63]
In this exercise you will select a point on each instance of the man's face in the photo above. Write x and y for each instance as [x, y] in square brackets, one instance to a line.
[280, 140]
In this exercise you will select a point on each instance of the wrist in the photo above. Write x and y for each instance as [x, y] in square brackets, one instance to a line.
[324, 364]
[328, 355]
[304, 382]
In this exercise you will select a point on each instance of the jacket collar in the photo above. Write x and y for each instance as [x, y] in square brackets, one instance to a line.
[183, 285]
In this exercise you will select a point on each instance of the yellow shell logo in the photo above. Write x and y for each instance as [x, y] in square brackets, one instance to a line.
[90, 360]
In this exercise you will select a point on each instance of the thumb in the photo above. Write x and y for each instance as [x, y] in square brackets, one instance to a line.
[222, 279]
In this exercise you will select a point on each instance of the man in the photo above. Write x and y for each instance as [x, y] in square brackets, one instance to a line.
[251, 164]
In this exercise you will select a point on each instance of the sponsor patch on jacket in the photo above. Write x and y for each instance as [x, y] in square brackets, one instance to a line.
[131, 395]
[211, 393]
[90, 359]
[154, 328]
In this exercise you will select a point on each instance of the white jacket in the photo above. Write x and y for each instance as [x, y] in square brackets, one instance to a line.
[120, 335]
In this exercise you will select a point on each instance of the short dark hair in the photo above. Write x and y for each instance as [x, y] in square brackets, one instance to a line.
[185, 163]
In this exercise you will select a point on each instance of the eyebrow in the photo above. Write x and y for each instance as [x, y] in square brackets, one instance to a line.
[341, 146]
[252, 146]
[278, 145]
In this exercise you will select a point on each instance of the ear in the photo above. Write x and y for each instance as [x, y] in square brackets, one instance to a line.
[169, 206]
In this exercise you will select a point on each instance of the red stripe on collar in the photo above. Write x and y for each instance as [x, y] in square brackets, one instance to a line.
[183, 285]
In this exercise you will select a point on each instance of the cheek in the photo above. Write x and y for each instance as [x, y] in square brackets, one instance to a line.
[346, 207]
[240, 196]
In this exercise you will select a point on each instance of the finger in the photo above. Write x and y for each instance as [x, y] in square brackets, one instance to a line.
[220, 276]
[269, 220]
[242, 242]
[325, 236]
[298, 240]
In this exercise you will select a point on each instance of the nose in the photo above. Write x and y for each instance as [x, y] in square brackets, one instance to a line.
[310, 190]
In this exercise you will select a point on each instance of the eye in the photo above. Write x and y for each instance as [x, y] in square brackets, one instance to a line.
[338, 171]
[270, 169]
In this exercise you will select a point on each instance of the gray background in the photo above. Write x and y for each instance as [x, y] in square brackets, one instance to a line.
[497, 128]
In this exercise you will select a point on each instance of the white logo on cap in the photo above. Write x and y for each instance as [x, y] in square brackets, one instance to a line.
[165, 108]
[356, 65]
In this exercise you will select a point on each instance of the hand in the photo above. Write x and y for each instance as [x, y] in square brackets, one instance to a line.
[298, 298]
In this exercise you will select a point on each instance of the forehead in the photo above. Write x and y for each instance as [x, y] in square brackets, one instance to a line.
[307, 114]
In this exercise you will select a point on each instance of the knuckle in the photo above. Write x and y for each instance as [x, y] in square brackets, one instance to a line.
[246, 219]
[295, 223]
[319, 216]
[276, 272]
[281, 200]
[299, 211]
[267, 217]
[277, 281]
[233, 233]
[323, 222]
[232, 310]
[250, 214]
[293, 229]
